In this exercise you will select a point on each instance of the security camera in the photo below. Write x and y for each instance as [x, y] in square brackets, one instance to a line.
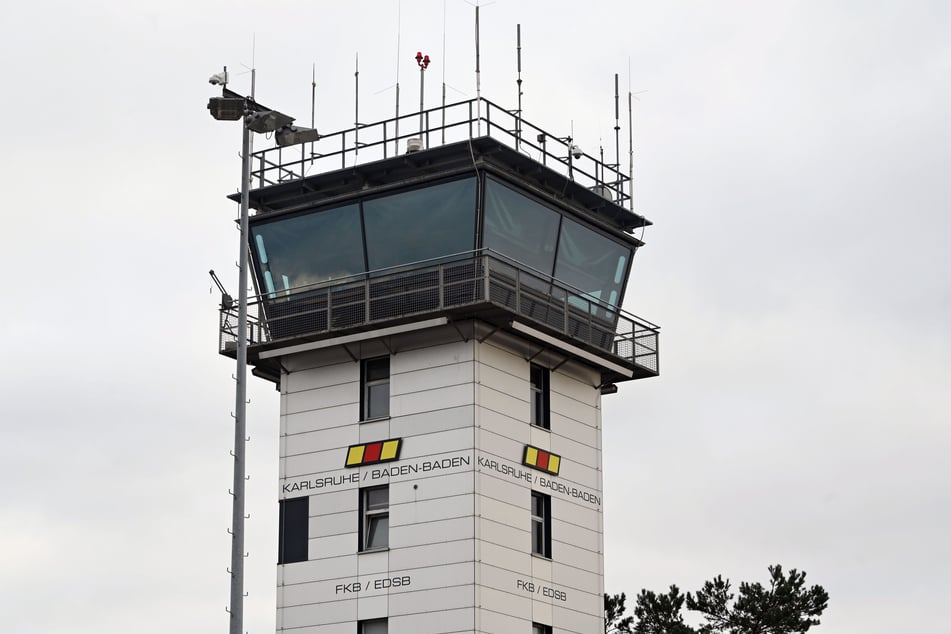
[575, 151]
[218, 79]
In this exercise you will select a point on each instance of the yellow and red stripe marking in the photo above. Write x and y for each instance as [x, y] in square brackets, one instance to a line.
[373, 452]
[542, 460]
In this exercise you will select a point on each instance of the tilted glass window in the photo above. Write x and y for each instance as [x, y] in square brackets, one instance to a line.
[519, 227]
[541, 524]
[375, 401]
[307, 249]
[540, 396]
[591, 263]
[375, 509]
[420, 224]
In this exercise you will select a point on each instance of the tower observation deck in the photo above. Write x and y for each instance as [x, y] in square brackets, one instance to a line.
[438, 299]
[496, 220]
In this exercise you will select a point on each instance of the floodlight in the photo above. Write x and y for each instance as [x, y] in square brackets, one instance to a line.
[268, 121]
[226, 108]
[292, 135]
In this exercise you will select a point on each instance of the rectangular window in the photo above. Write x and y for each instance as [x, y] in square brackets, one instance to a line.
[292, 530]
[375, 626]
[538, 628]
[540, 396]
[375, 518]
[375, 388]
[541, 524]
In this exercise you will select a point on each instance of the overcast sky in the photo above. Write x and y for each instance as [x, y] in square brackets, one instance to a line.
[794, 156]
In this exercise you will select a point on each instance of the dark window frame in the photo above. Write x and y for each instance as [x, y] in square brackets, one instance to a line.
[293, 530]
[367, 514]
[366, 383]
[539, 379]
[541, 628]
[362, 625]
[541, 522]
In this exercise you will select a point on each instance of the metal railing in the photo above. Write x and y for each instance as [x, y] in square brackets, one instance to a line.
[482, 278]
[445, 124]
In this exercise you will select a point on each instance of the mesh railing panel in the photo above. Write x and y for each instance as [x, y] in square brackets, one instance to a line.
[474, 280]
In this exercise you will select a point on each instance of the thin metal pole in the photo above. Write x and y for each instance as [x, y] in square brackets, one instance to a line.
[518, 120]
[240, 399]
[313, 106]
[617, 134]
[478, 79]
[422, 75]
[630, 144]
[356, 106]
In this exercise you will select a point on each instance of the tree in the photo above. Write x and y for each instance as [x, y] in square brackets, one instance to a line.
[660, 613]
[614, 620]
[786, 607]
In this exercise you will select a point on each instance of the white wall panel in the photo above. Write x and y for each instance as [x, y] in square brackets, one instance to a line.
[567, 387]
[446, 598]
[505, 535]
[504, 513]
[578, 622]
[574, 409]
[319, 613]
[431, 377]
[323, 376]
[321, 440]
[333, 524]
[324, 418]
[429, 422]
[504, 360]
[517, 385]
[518, 561]
[323, 397]
[332, 546]
[575, 577]
[436, 620]
[430, 532]
[570, 533]
[441, 398]
[503, 403]
[571, 555]
[422, 358]
[424, 511]
[445, 552]
[332, 568]
[501, 424]
[444, 486]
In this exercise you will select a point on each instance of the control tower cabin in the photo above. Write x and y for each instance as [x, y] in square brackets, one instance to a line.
[441, 312]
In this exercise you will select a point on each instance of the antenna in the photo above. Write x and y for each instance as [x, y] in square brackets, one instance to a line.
[396, 120]
[478, 85]
[313, 105]
[443, 72]
[617, 129]
[518, 113]
[423, 62]
[356, 104]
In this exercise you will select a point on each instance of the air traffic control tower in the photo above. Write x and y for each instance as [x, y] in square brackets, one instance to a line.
[441, 311]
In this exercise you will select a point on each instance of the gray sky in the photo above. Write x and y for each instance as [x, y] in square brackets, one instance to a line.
[793, 155]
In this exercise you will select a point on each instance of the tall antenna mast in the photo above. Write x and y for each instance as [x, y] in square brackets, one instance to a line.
[423, 62]
[478, 85]
[443, 72]
[356, 105]
[518, 113]
[399, 19]
[617, 136]
[630, 132]
[313, 105]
